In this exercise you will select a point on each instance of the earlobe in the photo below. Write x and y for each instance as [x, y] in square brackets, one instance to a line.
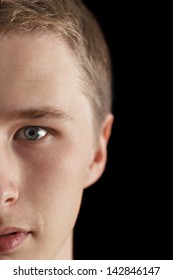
[99, 159]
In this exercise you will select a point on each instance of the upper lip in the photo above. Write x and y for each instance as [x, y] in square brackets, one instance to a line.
[10, 230]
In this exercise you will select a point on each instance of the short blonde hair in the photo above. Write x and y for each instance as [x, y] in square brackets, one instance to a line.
[72, 21]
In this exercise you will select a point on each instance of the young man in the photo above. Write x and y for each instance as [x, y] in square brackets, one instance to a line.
[55, 123]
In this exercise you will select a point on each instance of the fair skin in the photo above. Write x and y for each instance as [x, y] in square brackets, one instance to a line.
[42, 180]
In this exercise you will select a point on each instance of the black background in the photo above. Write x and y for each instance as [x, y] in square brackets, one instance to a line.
[126, 214]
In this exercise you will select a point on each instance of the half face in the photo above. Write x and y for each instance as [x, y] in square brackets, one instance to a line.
[46, 144]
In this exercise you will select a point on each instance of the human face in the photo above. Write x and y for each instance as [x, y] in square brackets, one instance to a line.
[46, 144]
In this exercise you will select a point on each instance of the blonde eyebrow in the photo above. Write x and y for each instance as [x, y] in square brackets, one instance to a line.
[41, 113]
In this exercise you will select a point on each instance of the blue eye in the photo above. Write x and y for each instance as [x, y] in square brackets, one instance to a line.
[31, 133]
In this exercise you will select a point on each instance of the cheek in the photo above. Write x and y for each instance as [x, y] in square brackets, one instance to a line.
[60, 168]
[54, 175]
[53, 186]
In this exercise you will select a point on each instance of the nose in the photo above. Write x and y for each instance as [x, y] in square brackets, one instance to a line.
[8, 189]
[7, 196]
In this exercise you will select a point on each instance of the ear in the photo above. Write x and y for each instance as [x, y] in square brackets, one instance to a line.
[98, 162]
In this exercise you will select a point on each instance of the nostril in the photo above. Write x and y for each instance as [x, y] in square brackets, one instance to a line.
[8, 195]
[9, 200]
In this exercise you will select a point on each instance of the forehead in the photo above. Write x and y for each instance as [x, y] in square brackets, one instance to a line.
[42, 71]
[39, 57]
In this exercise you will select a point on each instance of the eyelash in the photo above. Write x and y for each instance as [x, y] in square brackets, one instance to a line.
[23, 132]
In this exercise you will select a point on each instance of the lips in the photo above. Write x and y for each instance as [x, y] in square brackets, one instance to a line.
[11, 238]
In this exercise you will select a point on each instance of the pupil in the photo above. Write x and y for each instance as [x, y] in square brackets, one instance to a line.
[32, 133]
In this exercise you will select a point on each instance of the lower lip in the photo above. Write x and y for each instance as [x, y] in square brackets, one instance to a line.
[12, 241]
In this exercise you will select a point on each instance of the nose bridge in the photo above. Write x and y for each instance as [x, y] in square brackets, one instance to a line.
[8, 186]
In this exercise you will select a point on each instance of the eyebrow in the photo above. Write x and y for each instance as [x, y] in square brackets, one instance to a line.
[41, 113]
